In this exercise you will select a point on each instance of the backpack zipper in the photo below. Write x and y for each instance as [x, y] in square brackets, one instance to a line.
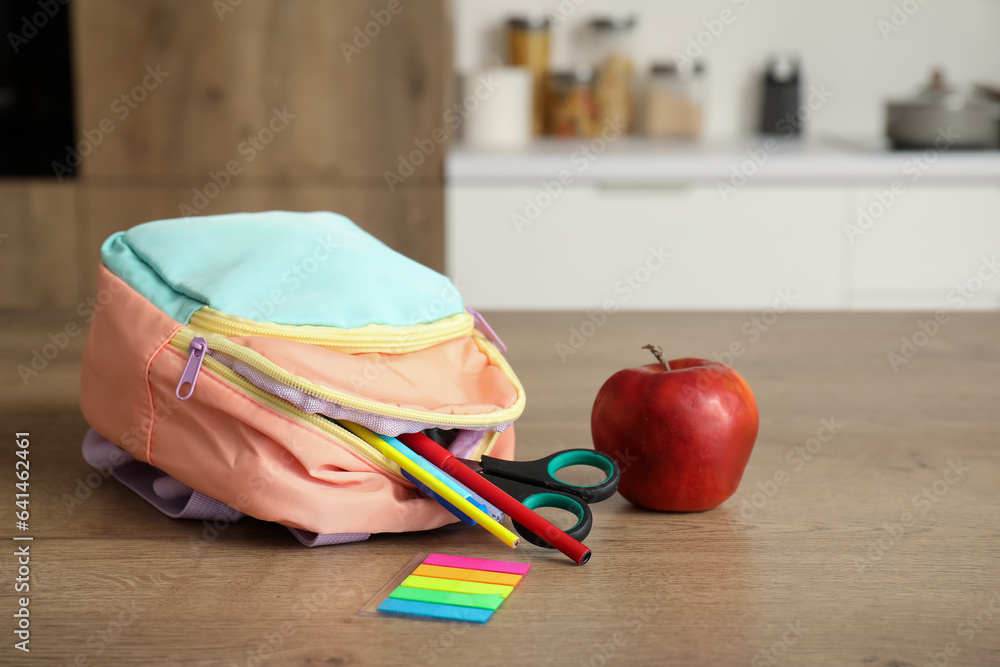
[196, 351]
[183, 339]
[370, 338]
[199, 359]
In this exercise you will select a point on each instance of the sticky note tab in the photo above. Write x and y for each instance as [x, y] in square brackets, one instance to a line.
[480, 601]
[462, 574]
[452, 586]
[440, 587]
[477, 564]
[411, 607]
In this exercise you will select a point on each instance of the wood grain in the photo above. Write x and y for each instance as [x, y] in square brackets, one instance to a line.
[410, 220]
[38, 249]
[227, 71]
[801, 581]
[221, 76]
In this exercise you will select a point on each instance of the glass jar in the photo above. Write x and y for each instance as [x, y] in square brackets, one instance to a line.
[572, 107]
[675, 101]
[502, 119]
[612, 47]
[528, 42]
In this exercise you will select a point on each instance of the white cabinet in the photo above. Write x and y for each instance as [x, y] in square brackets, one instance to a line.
[516, 247]
[516, 239]
[926, 248]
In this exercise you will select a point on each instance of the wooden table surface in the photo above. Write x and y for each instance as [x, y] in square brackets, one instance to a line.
[882, 548]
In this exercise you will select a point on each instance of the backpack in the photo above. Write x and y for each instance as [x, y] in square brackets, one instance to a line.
[224, 349]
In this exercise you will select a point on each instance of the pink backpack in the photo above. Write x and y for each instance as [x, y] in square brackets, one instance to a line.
[227, 346]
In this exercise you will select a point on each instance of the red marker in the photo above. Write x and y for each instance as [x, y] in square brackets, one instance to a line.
[531, 520]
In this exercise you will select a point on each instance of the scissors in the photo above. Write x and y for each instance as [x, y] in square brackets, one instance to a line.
[535, 484]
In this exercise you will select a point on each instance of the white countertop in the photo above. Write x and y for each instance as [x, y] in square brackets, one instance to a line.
[639, 161]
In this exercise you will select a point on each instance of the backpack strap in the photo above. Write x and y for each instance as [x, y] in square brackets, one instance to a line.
[174, 498]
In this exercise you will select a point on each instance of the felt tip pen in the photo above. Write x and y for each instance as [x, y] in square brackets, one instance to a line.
[446, 479]
[405, 462]
[536, 523]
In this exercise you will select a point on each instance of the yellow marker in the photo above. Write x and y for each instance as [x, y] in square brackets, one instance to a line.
[432, 483]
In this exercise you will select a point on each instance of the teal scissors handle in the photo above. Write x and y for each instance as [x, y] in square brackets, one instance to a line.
[535, 484]
[543, 472]
[535, 497]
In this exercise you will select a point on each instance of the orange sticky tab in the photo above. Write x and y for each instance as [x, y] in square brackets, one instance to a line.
[461, 574]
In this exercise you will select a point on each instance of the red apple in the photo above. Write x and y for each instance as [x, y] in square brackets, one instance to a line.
[681, 432]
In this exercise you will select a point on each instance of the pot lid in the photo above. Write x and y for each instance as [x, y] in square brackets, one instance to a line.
[939, 93]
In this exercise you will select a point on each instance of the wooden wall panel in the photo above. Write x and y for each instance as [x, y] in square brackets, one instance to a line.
[409, 220]
[226, 76]
[38, 258]
[210, 83]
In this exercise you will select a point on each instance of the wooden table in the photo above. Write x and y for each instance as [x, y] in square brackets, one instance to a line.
[869, 553]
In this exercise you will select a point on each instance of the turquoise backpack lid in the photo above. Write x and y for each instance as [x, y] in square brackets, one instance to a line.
[283, 267]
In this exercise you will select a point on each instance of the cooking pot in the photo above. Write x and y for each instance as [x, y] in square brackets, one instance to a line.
[956, 119]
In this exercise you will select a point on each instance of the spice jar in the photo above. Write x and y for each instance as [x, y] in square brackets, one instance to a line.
[572, 107]
[613, 54]
[529, 44]
[675, 100]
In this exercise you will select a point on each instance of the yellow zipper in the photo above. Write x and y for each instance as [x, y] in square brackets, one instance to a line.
[219, 343]
[321, 424]
[369, 338]
[485, 445]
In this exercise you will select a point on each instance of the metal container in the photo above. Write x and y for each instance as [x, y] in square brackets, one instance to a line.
[941, 116]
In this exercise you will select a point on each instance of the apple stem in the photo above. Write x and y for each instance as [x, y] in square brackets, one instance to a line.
[658, 353]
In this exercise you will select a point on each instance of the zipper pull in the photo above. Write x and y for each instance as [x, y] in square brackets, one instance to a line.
[487, 330]
[197, 350]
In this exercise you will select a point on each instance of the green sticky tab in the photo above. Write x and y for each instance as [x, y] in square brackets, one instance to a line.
[479, 601]
[453, 586]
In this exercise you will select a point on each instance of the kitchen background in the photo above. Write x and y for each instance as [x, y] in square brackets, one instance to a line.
[840, 43]
[191, 108]
[831, 218]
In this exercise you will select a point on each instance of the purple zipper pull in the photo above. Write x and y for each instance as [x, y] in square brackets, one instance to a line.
[487, 329]
[197, 350]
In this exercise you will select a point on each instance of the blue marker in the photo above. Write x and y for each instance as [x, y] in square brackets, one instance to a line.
[445, 479]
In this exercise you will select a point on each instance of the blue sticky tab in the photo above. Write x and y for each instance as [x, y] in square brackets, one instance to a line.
[451, 612]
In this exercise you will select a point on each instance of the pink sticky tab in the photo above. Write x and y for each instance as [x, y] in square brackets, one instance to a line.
[477, 564]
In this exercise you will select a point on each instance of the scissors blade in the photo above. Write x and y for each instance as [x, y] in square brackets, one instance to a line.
[474, 466]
